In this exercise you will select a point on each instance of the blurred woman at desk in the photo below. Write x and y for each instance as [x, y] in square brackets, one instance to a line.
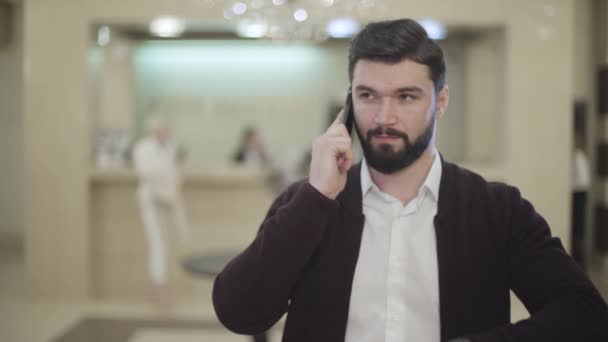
[251, 151]
[158, 166]
[252, 154]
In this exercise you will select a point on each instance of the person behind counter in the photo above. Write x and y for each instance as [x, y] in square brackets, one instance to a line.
[404, 246]
[157, 163]
[251, 151]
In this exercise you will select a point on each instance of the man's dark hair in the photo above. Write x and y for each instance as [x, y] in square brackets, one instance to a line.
[395, 40]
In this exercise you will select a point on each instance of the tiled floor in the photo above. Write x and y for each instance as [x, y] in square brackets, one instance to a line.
[27, 319]
[97, 329]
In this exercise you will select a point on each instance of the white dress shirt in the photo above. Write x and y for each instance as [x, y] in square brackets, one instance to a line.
[395, 293]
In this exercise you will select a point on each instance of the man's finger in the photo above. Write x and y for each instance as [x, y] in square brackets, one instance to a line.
[337, 130]
[340, 148]
[345, 160]
[339, 119]
[339, 139]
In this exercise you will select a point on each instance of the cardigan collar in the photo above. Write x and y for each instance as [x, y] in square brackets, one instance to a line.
[352, 200]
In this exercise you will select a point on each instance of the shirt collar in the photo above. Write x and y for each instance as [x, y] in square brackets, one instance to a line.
[431, 183]
[433, 179]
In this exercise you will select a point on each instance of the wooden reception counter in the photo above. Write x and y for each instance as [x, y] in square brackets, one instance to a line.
[224, 206]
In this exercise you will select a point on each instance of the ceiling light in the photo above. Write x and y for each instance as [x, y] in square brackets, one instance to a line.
[239, 8]
[435, 29]
[303, 19]
[342, 27]
[167, 27]
[300, 14]
[252, 28]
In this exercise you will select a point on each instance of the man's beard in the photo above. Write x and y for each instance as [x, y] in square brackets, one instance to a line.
[385, 158]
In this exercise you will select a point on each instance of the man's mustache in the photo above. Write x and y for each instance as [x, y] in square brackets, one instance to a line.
[387, 131]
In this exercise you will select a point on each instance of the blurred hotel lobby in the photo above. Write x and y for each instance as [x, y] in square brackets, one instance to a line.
[79, 80]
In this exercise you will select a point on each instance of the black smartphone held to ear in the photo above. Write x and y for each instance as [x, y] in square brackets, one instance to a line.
[349, 117]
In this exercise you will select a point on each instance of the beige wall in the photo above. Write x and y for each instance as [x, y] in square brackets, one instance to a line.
[116, 85]
[537, 108]
[11, 138]
[56, 158]
[484, 86]
[450, 133]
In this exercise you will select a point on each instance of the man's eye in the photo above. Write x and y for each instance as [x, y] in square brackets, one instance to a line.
[406, 97]
[366, 95]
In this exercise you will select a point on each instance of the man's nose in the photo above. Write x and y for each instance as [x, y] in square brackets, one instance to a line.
[385, 114]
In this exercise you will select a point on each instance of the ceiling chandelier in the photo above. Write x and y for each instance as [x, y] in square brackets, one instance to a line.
[299, 19]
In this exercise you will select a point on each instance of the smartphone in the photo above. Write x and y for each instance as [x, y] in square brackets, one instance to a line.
[349, 118]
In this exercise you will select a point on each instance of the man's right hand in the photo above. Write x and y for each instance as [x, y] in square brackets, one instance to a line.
[332, 157]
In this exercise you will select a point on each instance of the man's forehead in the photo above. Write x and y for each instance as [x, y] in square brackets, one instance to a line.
[403, 73]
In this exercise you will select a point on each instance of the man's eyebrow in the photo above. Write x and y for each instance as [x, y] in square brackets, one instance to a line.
[408, 89]
[364, 88]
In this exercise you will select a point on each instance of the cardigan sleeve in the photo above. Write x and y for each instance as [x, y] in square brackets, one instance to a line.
[252, 292]
[563, 304]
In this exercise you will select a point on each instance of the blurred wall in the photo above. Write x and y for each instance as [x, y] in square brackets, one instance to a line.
[450, 132]
[539, 89]
[484, 112]
[115, 85]
[11, 131]
[212, 90]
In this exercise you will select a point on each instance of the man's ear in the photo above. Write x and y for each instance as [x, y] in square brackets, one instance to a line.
[442, 102]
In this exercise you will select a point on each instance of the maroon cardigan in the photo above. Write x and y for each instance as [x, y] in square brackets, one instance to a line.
[489, 241]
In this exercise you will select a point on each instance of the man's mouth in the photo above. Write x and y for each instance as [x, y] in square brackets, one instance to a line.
[384, 137]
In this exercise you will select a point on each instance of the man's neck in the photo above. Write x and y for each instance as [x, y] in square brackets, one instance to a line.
[405, 184]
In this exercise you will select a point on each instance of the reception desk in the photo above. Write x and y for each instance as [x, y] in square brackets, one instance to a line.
[224, 206]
